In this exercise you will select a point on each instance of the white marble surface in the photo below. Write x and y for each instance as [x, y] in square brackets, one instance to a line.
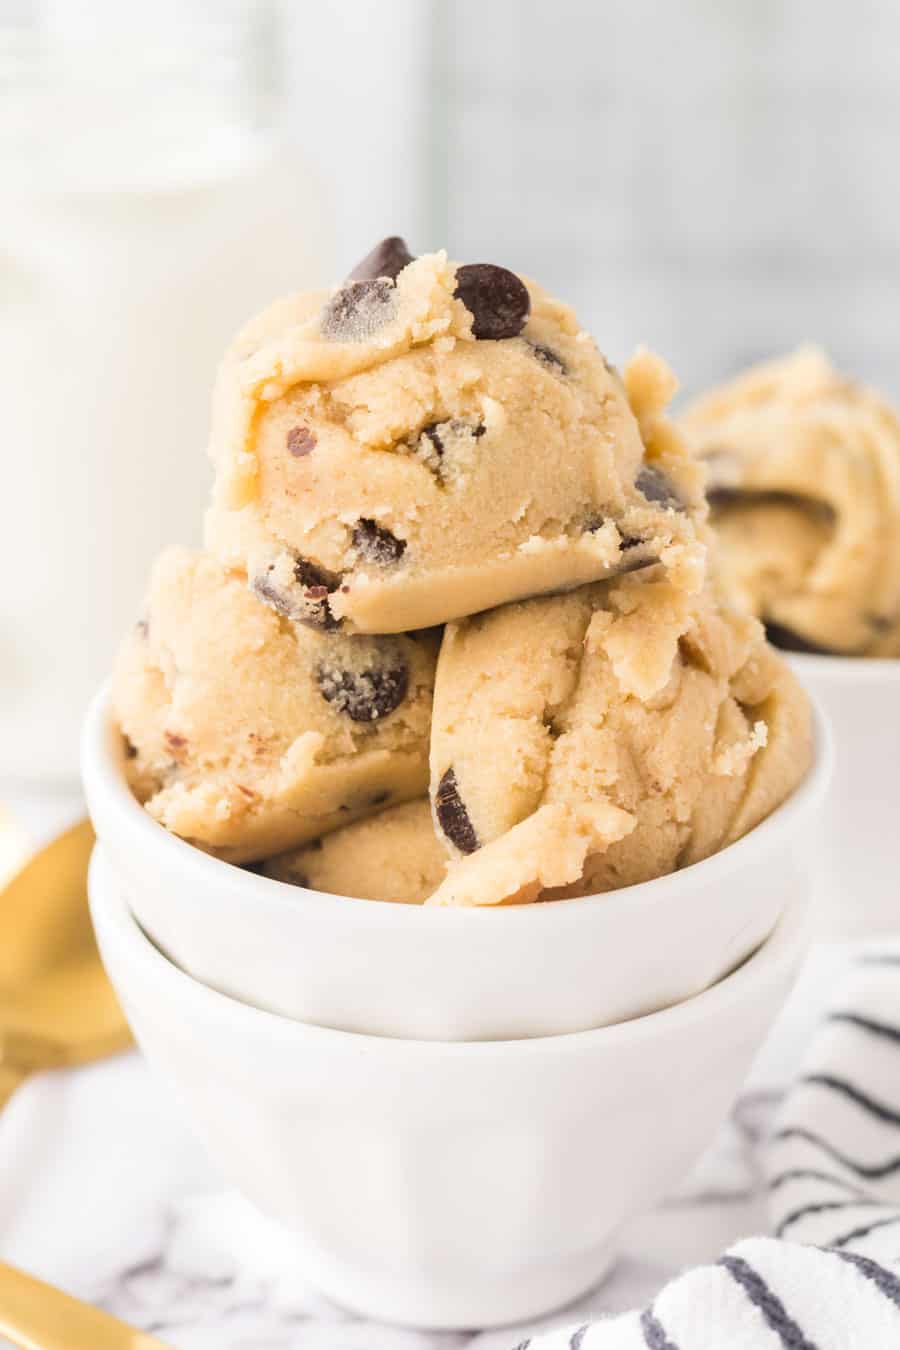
[104, 1192]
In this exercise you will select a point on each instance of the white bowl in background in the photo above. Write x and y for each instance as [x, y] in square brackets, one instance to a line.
[446, 1185]
[854, 844]
[445, 974]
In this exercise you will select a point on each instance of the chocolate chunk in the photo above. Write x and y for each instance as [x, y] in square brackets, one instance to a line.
[548, 357]
[380, 798]
[300, 440]
[308, 602]
[788, 641]
[387, 259]
[175, 744]
[655, 486]
[365, 695]
[358, 310]
[452, 815]
[131, 749]
[495, 297]
[376, 544]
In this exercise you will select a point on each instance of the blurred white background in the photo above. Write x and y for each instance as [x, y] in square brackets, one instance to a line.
[715, 179]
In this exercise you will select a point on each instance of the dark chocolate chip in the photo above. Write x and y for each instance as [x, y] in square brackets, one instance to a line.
[548, 357]
[495, 297]
[376, 544]
[308, 602]
[880, 623]
[300, 440]
[175, 743]
[130, 748]
[380, 798]
[455, 426]
[365, 695]
[452, 815]
[655, 486]
[358, 310]
[387, 259]
[788, 641]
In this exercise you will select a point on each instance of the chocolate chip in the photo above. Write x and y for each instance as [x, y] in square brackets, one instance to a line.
[880, 623]
[788, 641]
[358, 310]
[452, 815]
[655, 486]
[175, 744]
[387, 259]
[439, 432]
[376, 544]
[300, 440]
[365, 695]
[379, 799]
[130, 748]
[495, 297]
[548, 357]
[308, 602]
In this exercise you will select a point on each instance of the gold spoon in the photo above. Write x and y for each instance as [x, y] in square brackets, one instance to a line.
[57, 1007]
[35, 1316]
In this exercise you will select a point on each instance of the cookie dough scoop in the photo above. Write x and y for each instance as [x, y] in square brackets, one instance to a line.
[249, 734]
[804, 484]
[431, 440]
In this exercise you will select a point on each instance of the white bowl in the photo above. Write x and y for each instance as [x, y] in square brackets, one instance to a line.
[446, 1185]
[444, 974]
[853, 845]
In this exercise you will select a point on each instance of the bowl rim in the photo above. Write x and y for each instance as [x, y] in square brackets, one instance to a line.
[113, 920]
[111, 802]
[869, 669]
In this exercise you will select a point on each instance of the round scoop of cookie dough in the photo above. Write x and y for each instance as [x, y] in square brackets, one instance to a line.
[393, 455]
[394, 856]
[249, 734]
[804, 483]
[631, 731]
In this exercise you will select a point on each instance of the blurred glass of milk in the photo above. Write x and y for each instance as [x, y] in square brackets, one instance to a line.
[149, 204]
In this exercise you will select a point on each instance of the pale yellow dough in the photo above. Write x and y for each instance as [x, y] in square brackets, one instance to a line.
[239, 722]
[804, 478]
[417, 474]
[606, 737]
[393, 856]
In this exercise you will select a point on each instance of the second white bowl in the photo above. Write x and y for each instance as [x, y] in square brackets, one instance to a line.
[444, 974]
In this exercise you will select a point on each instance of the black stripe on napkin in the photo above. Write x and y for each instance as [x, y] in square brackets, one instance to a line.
[880, 1276]
[769, 1304]
[859, 1233]
[855, 1094]
[871, 1171]
[823, 1207]
[812, 1174]
[655, 1337]
[853, 1019]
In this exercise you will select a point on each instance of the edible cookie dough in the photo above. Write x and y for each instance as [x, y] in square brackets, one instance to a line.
[431, 440]
[395, 855]
[804, 483]
[632, 730]
[249, 734]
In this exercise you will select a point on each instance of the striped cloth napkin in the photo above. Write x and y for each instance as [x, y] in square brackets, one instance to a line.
[829, 1278]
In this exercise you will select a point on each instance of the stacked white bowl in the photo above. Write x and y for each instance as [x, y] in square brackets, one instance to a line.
[452, 1111]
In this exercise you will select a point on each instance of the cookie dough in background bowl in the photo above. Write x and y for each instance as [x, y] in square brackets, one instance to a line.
[447, 1186]
[436, 973]
[804, 485]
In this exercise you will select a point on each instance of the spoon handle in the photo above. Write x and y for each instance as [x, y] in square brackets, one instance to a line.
[35, 1316]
